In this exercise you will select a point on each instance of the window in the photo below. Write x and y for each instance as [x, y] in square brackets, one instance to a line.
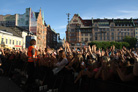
[96, 33]
[107, 34]
[72, 30]
[107, 37]
[81, 34]
[86, 34]
[19, 42]
[90, 39]
[90, 34]
[128, 33]
[104, 37]
[16, 42]
[81, 39]
[131, 29]
[78, 44]
[107, 29]
[117, 29]
[26, 22]
[10, 41]
[121, 33]
[95, 29]
[83, 43]
[127, 29]
[86, 39]
[112, 25]
[112, 34]
[101, 38]
[124, 29]
[112, 29]
[6, 41]
[112, 38]
[2, 40]
[118, 38]
[13, 42]
[95, 37]
[121, 29]
[131, 34]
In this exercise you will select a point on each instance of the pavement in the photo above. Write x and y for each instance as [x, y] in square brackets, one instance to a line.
[7, 85]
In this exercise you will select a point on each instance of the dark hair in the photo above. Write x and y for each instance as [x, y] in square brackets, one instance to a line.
[32, 42]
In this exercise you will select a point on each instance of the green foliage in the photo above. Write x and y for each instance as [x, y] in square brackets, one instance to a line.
[105, 45]
[131, 40]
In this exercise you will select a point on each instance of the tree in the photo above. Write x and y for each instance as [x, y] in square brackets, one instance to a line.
[131, 40]
[105, 45]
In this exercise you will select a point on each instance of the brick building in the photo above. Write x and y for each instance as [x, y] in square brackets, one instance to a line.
[30, 20]
[51, 37]
[41, 31]
[82, 31]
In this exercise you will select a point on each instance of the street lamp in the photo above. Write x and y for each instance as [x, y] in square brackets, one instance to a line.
[68, 15]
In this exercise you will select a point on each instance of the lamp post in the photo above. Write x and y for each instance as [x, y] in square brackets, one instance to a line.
[68, 15]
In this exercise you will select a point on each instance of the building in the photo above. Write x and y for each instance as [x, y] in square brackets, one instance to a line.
[51, 37]
[59, 41]
[41, 31]
[11, 39]
[82, 31]
[136, 30]
[31, 21]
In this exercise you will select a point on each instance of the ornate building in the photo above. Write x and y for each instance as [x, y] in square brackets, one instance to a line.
[82, 31]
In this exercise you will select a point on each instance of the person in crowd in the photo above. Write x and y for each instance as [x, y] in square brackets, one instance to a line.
[32, 58]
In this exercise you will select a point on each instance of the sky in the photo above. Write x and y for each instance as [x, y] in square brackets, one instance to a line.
[55, 10]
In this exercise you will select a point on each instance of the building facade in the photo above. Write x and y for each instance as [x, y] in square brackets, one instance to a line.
[31, 21]
[41, 31]
[51, 37]
[81, 31]
[10, 39]
[136, 30]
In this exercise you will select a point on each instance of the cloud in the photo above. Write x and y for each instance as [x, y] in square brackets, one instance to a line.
[116, 14]
[125, 11]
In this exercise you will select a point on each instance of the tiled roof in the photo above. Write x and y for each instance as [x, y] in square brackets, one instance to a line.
[118, 22]
[87, 22]
[11, 30]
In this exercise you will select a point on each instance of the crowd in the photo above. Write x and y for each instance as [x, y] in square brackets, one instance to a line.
[117, 65]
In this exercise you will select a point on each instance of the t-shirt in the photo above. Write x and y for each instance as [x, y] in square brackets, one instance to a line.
[60, 65]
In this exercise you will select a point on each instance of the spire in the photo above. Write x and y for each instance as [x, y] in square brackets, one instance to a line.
[40, 8]
[92, 20]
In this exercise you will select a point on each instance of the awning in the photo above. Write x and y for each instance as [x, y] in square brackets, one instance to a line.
[18, 46]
